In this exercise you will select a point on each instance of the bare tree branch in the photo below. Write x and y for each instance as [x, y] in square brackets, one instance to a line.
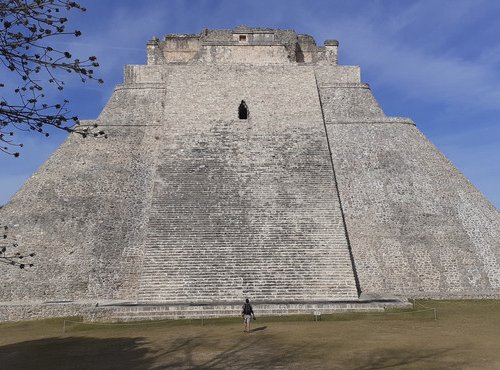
[27, 28]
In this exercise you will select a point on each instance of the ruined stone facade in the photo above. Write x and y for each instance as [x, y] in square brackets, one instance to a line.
[315, 197]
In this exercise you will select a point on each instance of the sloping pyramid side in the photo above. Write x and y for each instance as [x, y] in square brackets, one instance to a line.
[84, 211]
[417, 226]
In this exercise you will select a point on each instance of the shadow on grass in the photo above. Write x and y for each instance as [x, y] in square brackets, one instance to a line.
[260, 328]
[76, 353]
[137, 353]
[199, 353]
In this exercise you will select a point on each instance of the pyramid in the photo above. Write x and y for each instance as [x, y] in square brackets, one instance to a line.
[246, 163]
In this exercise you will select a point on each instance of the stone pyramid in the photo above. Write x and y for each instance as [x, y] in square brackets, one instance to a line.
[246, 163]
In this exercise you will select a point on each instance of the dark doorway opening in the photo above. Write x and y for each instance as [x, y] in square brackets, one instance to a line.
[243, 110]
[299, 54]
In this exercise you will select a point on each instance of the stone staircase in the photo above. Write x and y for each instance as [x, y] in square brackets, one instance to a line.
[244, 208]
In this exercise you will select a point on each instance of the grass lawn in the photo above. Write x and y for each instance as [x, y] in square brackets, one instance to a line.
[465, 336]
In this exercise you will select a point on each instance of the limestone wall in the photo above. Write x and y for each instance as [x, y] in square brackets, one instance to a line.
[180, 49]
[145, 74]
[327, 75]
[306, 49]
[348, 100]
[244, 54]
[417, 226]
[83, 212]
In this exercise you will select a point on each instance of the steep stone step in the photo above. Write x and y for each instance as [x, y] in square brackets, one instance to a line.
[244, 208]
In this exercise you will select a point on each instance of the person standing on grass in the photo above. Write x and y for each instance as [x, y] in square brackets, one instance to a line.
[248, 315]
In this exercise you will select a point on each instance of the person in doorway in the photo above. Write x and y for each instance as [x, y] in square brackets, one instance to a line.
[248, 315]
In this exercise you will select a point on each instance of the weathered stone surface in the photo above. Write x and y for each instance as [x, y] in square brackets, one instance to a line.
[417, 226]
[207, 311]
[244, 207]
[85, 209]
[317, 196]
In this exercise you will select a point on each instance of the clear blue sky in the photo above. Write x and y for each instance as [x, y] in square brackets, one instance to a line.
[437, 62]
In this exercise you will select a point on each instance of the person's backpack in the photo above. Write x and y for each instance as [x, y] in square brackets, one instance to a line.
[247, 309]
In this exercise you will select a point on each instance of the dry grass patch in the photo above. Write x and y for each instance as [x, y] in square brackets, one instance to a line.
[465, 336]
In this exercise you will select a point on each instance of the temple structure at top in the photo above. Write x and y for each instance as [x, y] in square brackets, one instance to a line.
[241, 45]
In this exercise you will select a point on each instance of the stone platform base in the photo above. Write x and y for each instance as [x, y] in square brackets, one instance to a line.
[127, 311]
[139, 312]
[43, 310]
